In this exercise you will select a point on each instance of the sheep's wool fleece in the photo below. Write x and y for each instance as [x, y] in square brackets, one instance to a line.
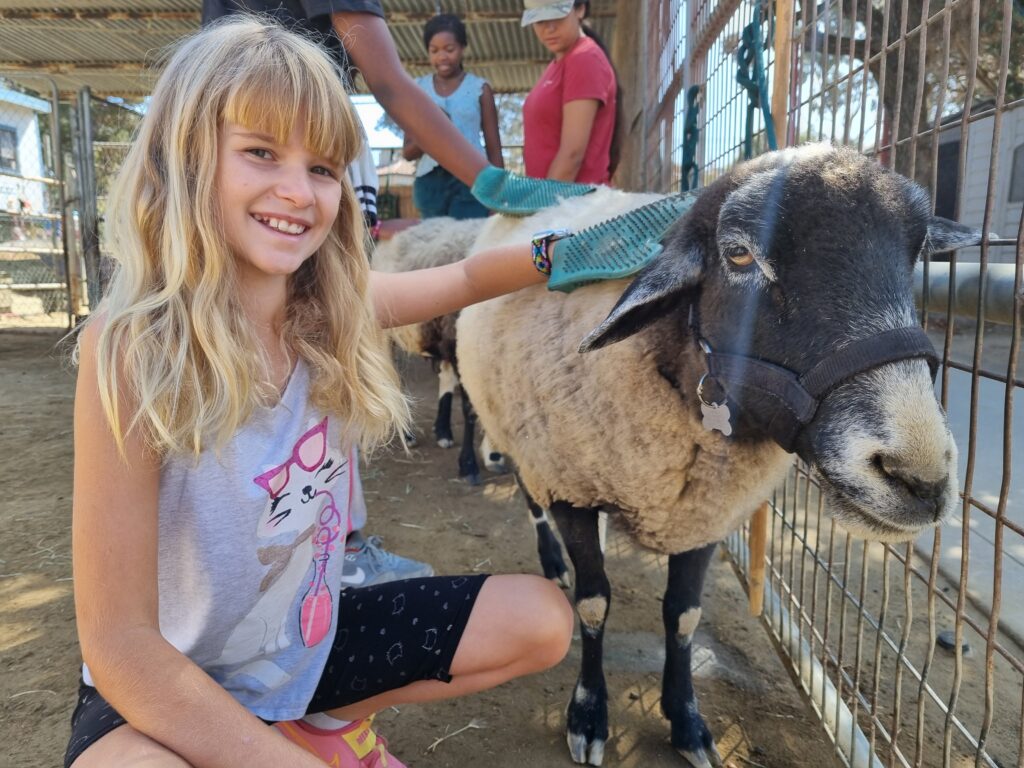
[603, 428]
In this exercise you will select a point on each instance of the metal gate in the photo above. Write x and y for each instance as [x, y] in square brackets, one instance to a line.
[36, 275]
[911, 655]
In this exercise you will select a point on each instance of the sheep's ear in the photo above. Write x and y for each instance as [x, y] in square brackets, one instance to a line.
[656, 290]
[946, 235]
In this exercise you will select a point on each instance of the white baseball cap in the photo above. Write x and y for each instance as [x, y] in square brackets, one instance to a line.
[545, 10]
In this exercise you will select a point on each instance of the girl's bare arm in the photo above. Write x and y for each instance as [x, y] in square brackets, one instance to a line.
[401, 298]
[159, 691]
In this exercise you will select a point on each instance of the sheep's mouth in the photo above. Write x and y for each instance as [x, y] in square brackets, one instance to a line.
[849, 507]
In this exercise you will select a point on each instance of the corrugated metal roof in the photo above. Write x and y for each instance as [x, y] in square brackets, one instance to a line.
[110, 45]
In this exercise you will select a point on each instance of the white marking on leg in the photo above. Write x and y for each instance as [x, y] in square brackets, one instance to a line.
[581, 695]
[687, 625]
[602, 530]
[539, 521]
[446, 379]
[487, 449]
[592, 611]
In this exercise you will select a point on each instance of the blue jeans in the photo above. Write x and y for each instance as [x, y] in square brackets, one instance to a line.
[438, 193]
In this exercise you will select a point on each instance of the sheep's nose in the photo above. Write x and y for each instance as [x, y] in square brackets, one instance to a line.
[924, 499]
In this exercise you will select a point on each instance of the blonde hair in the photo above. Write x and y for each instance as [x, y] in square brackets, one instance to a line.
[174, 330]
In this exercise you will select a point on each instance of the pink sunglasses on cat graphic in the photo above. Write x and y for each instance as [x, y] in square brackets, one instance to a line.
[309, 453]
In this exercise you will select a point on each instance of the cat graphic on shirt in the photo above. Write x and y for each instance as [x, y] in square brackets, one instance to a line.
[308, 497]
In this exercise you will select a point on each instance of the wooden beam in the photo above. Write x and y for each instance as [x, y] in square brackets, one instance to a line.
[96, 14]
[758, 544]
[783, 45]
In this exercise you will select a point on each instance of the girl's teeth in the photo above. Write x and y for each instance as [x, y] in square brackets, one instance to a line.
[284, 226]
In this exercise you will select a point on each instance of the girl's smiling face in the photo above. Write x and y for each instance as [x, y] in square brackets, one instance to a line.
[277, 201]
[445, 54]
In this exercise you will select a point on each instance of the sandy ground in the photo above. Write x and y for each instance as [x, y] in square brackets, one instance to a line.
[415, 503]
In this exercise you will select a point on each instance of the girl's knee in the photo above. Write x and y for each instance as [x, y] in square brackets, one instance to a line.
[553, 619]
[127, 748]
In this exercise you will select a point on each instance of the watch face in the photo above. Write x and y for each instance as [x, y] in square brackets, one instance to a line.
[552, 234]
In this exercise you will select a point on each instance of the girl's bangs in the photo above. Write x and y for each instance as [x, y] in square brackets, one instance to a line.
[278, 91]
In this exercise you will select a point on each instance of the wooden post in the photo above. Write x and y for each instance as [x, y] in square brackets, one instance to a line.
[783, 46]
[757, 543]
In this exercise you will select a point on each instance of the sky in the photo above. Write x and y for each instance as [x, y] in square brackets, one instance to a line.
[370, 112]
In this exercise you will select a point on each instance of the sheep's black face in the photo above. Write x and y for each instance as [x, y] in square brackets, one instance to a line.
[794, 256]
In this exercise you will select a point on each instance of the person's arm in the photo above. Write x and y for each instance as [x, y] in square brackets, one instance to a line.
[402, 298]
[489, 124]
[410, 149]
[159, 691]
[577, 122]
[368, 42]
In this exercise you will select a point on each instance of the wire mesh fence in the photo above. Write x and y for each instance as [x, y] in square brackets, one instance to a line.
[104, 146]
[34, 280]
[911, 655]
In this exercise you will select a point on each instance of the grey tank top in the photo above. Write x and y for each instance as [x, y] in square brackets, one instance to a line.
[251, 545]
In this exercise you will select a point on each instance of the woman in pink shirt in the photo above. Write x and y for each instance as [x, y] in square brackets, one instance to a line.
[570, 118]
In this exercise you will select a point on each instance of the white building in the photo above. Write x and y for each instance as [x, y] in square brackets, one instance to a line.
[21, 151]
[1008, 197]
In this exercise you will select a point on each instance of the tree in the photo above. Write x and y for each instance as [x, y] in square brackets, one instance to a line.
[932, 81]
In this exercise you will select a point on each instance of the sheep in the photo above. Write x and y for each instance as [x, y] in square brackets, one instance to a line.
[787, 259]
[449, 241]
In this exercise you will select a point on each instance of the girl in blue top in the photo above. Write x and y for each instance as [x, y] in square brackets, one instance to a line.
[234, 366]
[468, 101]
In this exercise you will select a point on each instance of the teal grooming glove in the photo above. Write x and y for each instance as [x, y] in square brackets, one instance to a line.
[516, 195]
[615, 248]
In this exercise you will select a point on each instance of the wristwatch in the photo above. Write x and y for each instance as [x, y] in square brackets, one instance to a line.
[541, 242]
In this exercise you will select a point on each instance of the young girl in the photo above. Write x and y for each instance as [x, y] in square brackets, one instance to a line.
[469, 102]
[231, 372]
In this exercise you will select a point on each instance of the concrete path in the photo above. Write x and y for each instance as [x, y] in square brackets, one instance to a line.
[987, 480]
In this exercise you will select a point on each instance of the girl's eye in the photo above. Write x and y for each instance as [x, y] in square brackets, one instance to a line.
[260, 152]
[323, 170]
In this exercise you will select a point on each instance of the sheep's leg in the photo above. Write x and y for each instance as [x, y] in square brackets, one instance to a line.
[494, 460]
[681, 613]
[587, 713]
[469, 470]
[548, 549]
[446, 382]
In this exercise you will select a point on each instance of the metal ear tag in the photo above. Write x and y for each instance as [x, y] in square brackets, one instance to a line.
[716, 415]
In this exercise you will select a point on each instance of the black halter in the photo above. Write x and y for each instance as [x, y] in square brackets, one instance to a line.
[782, 402]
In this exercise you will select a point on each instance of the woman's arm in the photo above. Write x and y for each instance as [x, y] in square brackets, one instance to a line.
[160, 692]
[489, 124]
[402, 298]
[577, 121]
[369, 44]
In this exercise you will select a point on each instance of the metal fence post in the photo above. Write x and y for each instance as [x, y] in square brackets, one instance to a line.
[88, 216]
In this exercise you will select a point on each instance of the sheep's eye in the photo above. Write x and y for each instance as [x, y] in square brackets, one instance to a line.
[742, 258]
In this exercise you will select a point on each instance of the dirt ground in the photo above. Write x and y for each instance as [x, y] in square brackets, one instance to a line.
[422, 511]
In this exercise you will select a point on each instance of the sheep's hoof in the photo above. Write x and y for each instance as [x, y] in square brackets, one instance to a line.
[411, 441]
[471, 479]
[564, 580]
[583, 753]
[445, 442]
[586, 729]
[692, 738]
[703, 758]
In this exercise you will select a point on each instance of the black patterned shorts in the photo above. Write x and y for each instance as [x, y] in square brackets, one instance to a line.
[388, 636]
